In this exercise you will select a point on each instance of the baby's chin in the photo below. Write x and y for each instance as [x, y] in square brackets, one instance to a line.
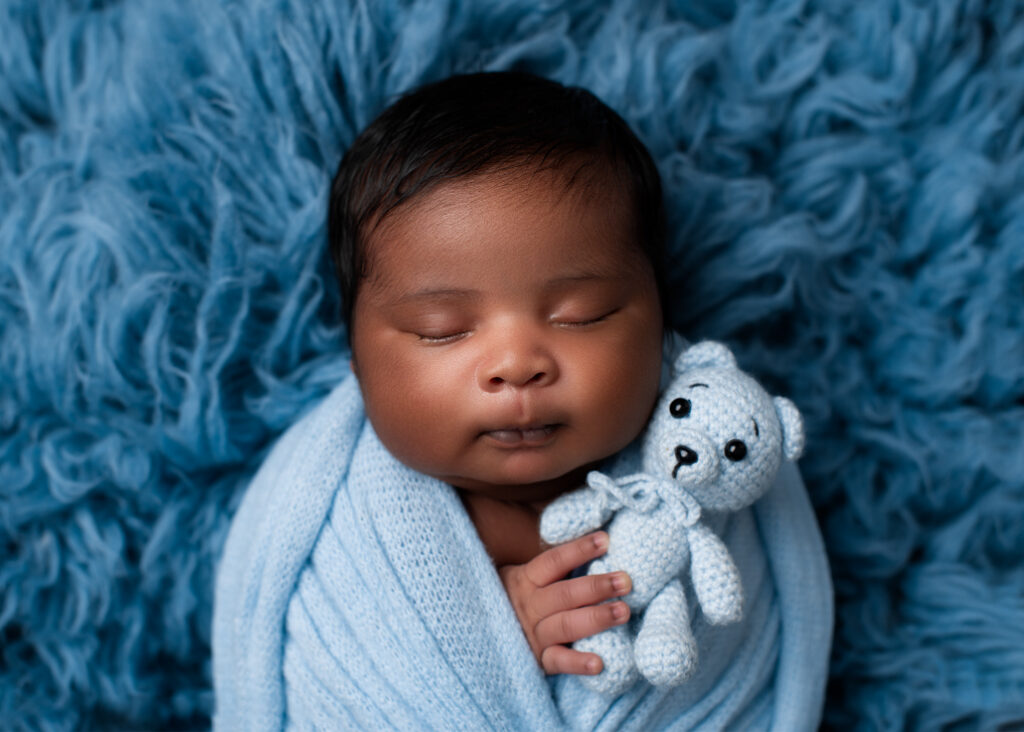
[522, 488]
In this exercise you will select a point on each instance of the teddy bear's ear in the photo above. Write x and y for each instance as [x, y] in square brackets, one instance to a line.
[792, 427]
[705, 353]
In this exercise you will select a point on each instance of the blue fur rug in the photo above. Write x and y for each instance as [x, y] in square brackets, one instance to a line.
[845, 182]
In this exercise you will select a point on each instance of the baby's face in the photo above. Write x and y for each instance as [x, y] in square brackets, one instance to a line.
[508, 334]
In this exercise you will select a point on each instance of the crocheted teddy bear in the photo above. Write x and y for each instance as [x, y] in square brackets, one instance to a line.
[714, 443]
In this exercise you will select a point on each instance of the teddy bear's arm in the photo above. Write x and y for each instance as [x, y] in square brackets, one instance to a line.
[574, 514]
[716, 580]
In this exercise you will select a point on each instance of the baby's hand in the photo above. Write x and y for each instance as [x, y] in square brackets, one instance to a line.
[555, 611]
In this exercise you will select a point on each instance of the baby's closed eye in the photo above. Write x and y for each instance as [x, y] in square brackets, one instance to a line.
[449, 337]
[576, 320]
[586, 301]
[439, 327]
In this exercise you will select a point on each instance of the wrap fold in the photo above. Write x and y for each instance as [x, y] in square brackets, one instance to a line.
[354, 593]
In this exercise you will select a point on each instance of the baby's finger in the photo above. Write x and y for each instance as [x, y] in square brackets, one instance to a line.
[563, 660]
[571, 625]
[555, 563]
[581, 591]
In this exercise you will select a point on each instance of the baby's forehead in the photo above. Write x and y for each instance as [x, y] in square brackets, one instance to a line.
[575, 186]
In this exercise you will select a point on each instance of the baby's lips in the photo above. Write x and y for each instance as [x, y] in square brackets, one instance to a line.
[522, 436]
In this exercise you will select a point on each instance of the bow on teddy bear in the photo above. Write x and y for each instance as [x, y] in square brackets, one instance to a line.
[715, 442]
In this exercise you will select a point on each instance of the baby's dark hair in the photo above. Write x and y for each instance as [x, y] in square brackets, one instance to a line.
[475, 123]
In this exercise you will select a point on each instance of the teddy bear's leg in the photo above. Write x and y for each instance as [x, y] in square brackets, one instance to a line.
[665, 650]
[615, 647]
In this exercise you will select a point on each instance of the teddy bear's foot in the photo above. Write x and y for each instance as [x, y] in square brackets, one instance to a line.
[665, 651]
[666, 661]
[615, 649]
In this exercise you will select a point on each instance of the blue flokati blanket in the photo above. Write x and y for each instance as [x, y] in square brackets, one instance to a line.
[845, 182]
[355, 593]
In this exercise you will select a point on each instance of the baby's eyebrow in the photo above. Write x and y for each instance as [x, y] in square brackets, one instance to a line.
[438, 293]
[570, 281]
[581, 277]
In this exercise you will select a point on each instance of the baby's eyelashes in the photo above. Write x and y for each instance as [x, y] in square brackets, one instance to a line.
[582, 322]
[442, 338]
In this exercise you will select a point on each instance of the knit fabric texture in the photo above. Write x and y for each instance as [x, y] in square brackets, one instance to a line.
[354, 593]
[715, 442]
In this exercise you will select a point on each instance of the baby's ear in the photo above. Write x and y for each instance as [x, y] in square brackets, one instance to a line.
[792, 427]
[705, 353]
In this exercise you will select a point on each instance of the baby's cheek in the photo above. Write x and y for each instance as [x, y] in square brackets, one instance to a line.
[638, 379]
[396, 411]
[621, 414]
[412, 425]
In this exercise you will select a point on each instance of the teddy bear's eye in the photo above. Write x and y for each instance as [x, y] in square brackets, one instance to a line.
[679, 408]
[735, 450]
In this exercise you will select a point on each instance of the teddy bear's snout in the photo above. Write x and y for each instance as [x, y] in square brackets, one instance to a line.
[684, 456]
[695, 459]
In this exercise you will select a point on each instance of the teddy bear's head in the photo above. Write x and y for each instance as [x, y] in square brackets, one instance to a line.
[717, 431]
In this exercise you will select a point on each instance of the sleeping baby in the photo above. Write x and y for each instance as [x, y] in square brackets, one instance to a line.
[499, 242]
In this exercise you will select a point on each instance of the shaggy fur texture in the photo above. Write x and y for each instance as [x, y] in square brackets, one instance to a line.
[845, 181]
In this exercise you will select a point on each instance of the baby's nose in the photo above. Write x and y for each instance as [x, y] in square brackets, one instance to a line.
[536, 378]
[524, 365]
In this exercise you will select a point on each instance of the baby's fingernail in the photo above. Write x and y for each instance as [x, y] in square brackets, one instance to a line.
[620, 582]
[593, 666]
[600, 540]
[620, 612]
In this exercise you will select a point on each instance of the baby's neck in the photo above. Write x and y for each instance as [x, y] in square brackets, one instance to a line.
[510, 529]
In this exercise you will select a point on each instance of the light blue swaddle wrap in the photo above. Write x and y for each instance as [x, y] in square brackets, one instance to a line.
[354, 593]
